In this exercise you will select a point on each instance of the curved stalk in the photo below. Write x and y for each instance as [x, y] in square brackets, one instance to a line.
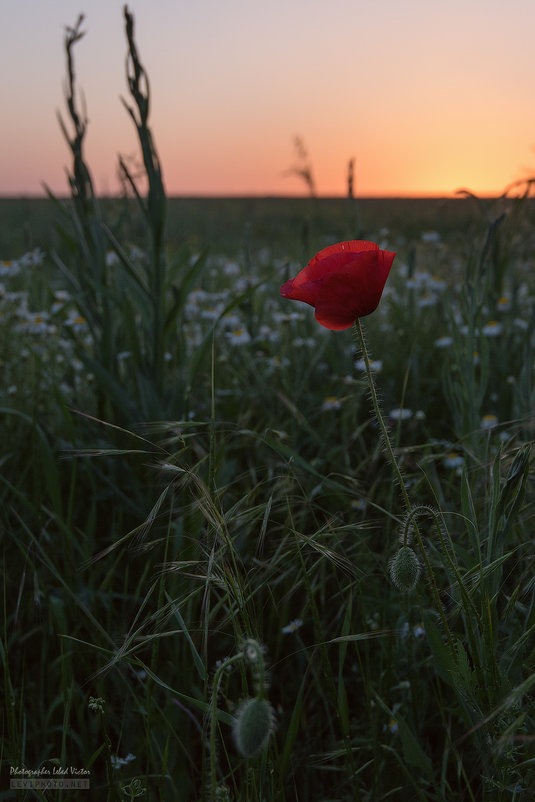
[379, 416]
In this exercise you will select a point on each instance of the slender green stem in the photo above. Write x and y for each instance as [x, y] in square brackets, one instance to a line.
[429, 570]
[211, 453]
[213, 719]
[423, 510]
[395, 466]
[379, 414]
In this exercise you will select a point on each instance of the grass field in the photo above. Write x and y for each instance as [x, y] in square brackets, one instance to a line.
[222, 578]
[149, 532]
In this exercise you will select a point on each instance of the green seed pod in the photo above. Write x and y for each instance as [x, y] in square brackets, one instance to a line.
[253, 725]
[222, 794]
[252, 651]
[405, 569]
[253, 654]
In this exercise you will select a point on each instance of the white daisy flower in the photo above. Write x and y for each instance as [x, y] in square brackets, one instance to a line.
[436, 284]
[280, 317]
[238, 336]
[427, 299]
[211, 312]
[492, 329]
[359, 504]
[400, 414]
[231, 269]
[300, 342]
[430, 237]
[375, 364]
[453, 460]
[444, 342]
[76, 321]
[117, 761]
[331, 402]
[418, 631]
[231, 320]
[274, 362]
[292, 627]
[111, 259]
[9, 268]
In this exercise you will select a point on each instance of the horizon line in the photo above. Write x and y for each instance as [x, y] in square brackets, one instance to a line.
[459, 194]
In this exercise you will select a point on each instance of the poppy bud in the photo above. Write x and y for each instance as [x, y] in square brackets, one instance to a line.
[253, 725]
[405, 569]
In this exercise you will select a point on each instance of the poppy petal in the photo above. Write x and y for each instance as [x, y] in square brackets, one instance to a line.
[343, 282]
[353, 291]
[335, 307]
[334, 257]
[307, 291]
[352, 246]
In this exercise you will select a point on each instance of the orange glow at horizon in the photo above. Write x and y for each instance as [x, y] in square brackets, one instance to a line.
[427, 98]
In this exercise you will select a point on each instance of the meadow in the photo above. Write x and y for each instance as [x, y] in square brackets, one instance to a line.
[202, 518]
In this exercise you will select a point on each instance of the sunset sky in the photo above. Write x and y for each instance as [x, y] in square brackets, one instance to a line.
[428, 96]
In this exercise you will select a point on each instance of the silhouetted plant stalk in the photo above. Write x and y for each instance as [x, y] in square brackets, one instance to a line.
[154, 208]
[351, 195]
[351, 179]
[118, 321]
[92, 274]
[303, 168]
[80, 181]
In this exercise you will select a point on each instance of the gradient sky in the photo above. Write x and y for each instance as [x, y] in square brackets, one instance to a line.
[428, 95]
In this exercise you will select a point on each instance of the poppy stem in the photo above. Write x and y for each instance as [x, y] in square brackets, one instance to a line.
[397, 470]
[379, 414]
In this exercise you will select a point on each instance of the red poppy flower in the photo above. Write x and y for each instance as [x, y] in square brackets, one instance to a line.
[342, 282]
